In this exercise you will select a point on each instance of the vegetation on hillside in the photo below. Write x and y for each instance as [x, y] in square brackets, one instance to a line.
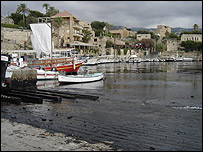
[25, 16]
[191, 46]
[9, 25]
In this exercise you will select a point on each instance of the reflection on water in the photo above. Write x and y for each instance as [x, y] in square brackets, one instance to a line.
[148, 67]
[145, 72]
[91, 85]
[138, 103]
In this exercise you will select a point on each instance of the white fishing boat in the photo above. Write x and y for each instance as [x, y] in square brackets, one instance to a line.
[133, 59]
[91, 61]
[179, 59]
[80, 78]
[188, 59]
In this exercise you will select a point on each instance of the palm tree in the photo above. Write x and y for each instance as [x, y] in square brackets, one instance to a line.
[86, 35]
[195, 27]
[22, 8]
[52, 11]
[46, 6]
[58, 22]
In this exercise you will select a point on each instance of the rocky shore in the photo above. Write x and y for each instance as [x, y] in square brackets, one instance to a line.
[22, 137]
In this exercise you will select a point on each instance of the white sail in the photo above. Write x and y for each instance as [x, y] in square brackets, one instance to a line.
[41, 38]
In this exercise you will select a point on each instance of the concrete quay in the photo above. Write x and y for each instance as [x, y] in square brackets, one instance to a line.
[22, 137]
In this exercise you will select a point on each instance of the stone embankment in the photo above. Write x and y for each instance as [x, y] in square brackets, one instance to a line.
[14, 39]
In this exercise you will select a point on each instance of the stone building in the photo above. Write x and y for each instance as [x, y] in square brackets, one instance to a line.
[172, 45]
[122, 33]
[70, 33]
[143, 36]
[192, 37]
[161, 30]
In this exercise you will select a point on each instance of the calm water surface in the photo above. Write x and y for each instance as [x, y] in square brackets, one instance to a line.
[145, 82]
[144, 106]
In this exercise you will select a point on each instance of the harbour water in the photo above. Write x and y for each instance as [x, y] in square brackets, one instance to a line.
[141, 106]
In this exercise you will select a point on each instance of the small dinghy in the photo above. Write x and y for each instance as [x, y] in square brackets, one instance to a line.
[80, 78]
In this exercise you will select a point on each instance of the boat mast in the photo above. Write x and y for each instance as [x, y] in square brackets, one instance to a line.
[51, 44]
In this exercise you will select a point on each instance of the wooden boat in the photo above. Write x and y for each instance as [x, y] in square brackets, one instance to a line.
[42, 42]
[80, 78]
[66, 65]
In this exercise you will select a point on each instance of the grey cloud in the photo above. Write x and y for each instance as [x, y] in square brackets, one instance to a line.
[127, 13]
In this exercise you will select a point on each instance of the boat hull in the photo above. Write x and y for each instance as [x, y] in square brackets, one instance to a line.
[80, 78]
[47, 75]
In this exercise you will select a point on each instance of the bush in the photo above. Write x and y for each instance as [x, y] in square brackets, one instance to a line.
[119, 51]
[125, 51]
[109, 44]
[191, 46]
[9, 25]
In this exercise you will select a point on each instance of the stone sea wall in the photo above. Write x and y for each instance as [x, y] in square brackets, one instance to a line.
[13, 39]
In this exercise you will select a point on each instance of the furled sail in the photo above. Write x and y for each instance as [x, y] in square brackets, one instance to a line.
[41, 37]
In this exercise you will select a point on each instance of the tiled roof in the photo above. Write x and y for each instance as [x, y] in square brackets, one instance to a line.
[63, 14]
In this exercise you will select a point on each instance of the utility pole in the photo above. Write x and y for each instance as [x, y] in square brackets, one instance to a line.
[114, 45]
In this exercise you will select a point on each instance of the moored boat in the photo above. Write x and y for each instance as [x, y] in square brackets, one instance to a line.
[47, 75]
[188, 59]
[80, 78]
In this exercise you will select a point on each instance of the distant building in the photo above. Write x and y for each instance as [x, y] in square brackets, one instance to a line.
[161, 30]
[6, 20]
[191, 37]
[172, 45]
[143, 36]
[122, 33]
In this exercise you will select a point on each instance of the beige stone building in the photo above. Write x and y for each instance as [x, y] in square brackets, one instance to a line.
[71, 31]
[172, 45]
[161, 30]
[143, 36]
[122, 33]
[192, 37]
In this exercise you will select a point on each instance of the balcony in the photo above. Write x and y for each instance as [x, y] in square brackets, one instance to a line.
[77, 26]
[77, 35]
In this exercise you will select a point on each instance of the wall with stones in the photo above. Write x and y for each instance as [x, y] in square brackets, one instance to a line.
[15, 38]
[172, 45]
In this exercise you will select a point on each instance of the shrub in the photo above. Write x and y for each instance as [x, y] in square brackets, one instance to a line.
[9, 25]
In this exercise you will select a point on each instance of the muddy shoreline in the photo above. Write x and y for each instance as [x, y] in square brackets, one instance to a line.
[152, 110]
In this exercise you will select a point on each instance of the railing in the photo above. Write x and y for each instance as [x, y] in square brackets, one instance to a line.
[49, 62]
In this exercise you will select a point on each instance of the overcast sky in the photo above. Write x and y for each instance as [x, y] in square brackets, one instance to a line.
[130, 14]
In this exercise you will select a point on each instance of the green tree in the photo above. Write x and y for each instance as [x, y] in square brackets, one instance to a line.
[195, 27]
[46, 6]
[33, 17]
[22, 8]
[160, 47]
[109, 44]
[98, 27]
[52, 11]
[191, 46]
[86, 35]
[16, 17]
[142, 32]
[147, 43]
[57, 23]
